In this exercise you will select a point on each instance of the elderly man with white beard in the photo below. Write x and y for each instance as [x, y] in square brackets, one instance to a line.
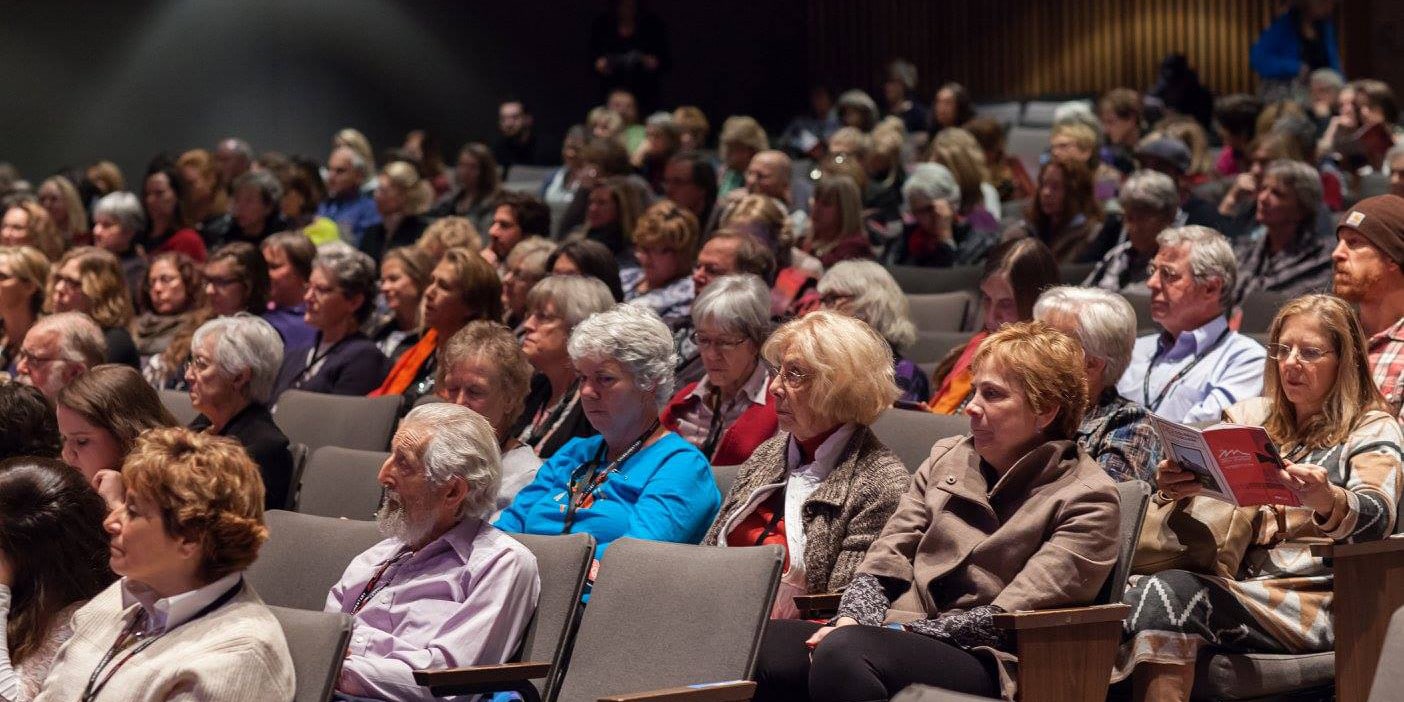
[446, 589]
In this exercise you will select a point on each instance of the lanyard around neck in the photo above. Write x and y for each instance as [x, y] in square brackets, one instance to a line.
[1154, 405]
[587, 479]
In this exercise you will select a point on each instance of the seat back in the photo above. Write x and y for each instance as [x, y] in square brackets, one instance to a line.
[1389, 680]
[355, 422]
[664, 615]
[306, 555]
[317, 642]
[1006, 113]
[1075, 273]
[178, 403]
[1028, 143]
[911, 434]
[1135, 498]
[1258, 310]
[931, 347]
[341, 482]
[1141, 304]
[937, 312]
[562, 562]
[920, 280]
[725, 476]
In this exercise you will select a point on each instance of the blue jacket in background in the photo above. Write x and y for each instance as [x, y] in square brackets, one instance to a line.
[1277, 54]
[665, 492]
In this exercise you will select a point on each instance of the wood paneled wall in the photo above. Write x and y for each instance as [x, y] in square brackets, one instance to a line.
[1028, 48]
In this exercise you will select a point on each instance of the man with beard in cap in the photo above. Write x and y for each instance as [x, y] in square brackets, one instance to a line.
[1369, 271]
[446, 589]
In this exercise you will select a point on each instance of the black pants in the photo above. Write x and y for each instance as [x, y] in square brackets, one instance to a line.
[862, 663]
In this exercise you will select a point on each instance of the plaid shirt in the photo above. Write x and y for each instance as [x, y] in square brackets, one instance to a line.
[1123, 269]
[1303, 267]
[1118, 434]
[1387, 364]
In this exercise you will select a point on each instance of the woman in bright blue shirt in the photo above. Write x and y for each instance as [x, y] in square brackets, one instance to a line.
[636, 478]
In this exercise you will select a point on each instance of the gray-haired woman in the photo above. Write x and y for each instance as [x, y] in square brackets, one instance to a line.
[935, 234]
[553, 414]
[865, 290]
[1284, 254]
[341, 360]
[233, 364]
[728, 413]
[636, 478]
[117, 222]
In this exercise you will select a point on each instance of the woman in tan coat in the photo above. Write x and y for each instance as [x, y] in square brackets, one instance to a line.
[1342, 447]
[824, 486]
[1014, 517]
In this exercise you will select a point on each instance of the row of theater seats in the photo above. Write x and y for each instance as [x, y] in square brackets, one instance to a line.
[340, 482]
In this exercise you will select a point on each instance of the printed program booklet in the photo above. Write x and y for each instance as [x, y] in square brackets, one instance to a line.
[1235, 463]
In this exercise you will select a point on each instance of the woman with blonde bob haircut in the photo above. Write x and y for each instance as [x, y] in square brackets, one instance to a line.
[191, 522]
[865, 290]
[90, 280]
[1341, 445]
[1015, 516]
[823, 487]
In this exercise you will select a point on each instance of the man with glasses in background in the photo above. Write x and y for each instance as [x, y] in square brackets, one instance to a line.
[59, 348]
[1196, 366]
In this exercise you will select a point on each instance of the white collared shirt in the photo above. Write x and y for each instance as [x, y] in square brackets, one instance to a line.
[166, 613]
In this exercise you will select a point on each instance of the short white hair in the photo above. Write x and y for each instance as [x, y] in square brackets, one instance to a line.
[244, 342]
[635, 337]
[1150, 190]
[1078, 112]
[358, 161]
[80, 339]
[877, 299]
[460, 444]
[1104, 321]
[738, 304]
[932, 181]
[123, 207]
[1210, 257]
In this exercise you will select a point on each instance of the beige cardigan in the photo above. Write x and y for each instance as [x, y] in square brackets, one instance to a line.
[236, 652]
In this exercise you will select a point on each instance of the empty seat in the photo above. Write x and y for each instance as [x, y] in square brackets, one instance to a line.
[562, 562]
[939, 312]
[1028, 144]
[348, 421]
[178, 403]
[911, 434]
[1006, 113]
[317, 642]
[305, 556]
[341, 482]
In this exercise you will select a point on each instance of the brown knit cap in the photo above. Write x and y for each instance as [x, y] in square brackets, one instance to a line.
[1381, 220]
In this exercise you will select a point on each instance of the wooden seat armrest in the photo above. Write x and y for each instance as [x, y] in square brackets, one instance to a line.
[478, 675]
[1046, 618]
[821, 606]
[1393, 544]
[730, 691]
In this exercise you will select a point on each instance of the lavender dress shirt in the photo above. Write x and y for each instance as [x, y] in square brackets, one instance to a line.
[464, 599]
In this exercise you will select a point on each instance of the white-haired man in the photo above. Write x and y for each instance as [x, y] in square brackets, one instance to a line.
[445, 589]
[1114, 431]
[1196, 367]
[353, 211]
[57, 349]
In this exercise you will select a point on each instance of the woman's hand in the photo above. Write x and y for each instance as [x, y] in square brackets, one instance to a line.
[1313, 486]
[813, 641]
[110, 487]
[1175, 482]
[945, 220]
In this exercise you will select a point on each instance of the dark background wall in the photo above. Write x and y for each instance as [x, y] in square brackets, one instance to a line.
[125, 80]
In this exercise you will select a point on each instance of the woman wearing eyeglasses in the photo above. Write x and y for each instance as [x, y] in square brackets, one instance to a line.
[665, 243]
[728, 413]
[636, 478]
[825, 485]
[1342, 448]
[90, 280]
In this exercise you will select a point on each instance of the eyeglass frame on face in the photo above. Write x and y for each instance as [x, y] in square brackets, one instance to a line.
[68, 281]
[30, 358]
[1168, 275]
[704, 342]
[223, 282]
[791, 378]
[1306, 354]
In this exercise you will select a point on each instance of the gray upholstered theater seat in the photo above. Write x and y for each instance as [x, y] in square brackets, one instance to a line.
[1248, 676]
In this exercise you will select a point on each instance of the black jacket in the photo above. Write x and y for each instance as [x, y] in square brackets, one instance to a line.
[266, 444]
[376, 240]
[352, 366]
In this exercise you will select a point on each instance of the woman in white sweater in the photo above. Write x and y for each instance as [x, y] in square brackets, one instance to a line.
[53, 559]
[180, 623]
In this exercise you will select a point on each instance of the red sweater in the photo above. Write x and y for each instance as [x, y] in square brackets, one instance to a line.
[739, 440]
